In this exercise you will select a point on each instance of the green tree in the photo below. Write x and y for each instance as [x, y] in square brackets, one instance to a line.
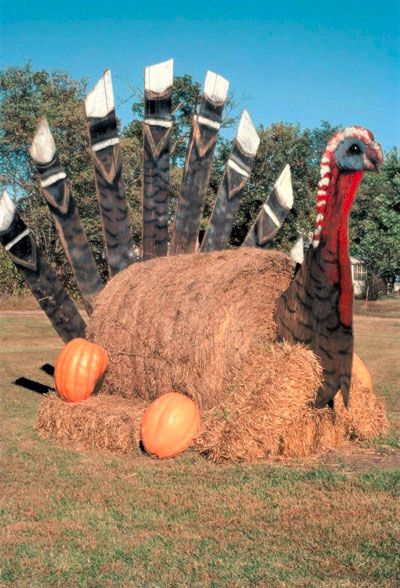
[375, 221]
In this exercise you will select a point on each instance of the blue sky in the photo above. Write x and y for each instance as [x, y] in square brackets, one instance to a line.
[295, 61]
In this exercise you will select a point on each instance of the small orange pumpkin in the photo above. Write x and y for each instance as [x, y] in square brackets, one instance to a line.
[78, 368]
[169, 425]
[361, 372]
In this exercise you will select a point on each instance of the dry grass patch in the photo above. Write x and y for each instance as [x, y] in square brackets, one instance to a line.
[88, 518]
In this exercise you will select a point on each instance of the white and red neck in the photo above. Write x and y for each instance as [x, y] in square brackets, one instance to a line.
[329, 170]
[336, 193]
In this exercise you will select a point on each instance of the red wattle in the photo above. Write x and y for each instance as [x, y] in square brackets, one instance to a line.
[348, 185]
[334, 238]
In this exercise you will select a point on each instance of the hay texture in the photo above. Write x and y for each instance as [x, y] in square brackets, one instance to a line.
[273, 419]
[189, 323]
[100, 422]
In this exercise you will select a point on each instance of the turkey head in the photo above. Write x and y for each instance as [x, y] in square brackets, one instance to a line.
[317, 308]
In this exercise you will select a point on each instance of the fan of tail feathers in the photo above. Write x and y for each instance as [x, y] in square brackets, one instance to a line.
[316, 308]
[158, 239]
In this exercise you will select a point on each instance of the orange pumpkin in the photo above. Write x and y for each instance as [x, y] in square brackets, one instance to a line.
[78, 368]
[169, 425]
[361, 372]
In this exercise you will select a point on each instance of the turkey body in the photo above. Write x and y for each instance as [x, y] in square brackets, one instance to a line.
[308, 312]
[188, 322]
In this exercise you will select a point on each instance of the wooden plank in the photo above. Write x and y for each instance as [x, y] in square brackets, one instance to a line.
[40, 277]
[273, 213]
[237, 174]
[196, 176]
[65, 214]
[110, 188]
[156, 147]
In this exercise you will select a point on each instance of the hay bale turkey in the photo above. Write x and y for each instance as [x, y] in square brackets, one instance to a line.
[255, 348]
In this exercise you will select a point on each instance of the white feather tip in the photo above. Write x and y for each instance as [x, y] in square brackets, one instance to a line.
[283, 187]
[216, 88]
[247, 136]
[100, 101]
[297, 251]
[159, 77]
[7, 210]
[43, 147]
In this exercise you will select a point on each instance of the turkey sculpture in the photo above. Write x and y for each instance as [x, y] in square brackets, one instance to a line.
[317, 308]
[194, 317]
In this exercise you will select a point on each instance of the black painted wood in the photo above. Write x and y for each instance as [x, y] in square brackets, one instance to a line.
[42, 280]
[228, 199]
[308, 312]
[269, 220]
[156, 160]
[70, 230]
[110, 190]
[196, 176]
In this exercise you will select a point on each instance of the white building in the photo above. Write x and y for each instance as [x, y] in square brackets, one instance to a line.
[358, 274]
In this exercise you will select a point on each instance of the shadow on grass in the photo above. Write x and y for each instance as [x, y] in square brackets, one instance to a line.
[33, 386]
[48, 369]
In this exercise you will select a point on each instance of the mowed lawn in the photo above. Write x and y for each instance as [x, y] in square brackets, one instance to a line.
[72, 518]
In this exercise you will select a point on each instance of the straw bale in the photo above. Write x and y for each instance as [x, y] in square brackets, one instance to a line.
[100, 422]
[188, 322]
[253, 422]
[366, 417]
[276, 419]
[204, 325]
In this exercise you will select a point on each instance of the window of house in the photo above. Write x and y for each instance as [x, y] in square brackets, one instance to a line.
[360, 272]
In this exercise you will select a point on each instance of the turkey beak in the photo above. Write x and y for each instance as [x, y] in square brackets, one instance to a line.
[374, 156]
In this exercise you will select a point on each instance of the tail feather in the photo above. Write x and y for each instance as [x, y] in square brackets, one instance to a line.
[57, 194]
[40, 277]
[273, 213]
[105, 149]
[157, 129]
[237, 174]
[196, 175]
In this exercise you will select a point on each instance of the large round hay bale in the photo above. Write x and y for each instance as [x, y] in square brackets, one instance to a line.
[189, 323]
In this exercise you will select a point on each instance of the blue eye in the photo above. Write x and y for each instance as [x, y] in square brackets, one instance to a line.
[354, 149]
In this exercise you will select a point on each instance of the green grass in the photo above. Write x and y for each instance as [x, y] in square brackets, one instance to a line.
[90, 519]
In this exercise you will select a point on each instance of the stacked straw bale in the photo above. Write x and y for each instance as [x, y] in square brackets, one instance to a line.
[244, 427]
[276, 418]
[100, 422]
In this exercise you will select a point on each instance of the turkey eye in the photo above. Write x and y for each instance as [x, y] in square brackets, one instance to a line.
[354, 149]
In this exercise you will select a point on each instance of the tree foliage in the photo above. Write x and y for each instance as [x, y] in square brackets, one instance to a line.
[375, 221]
[26, 95]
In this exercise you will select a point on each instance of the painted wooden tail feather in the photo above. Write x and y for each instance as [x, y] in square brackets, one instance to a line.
[157, 129]
[65, 214]
[273, 213]
[110, 189]
[205, 126]
[40, 277]
[237, 174]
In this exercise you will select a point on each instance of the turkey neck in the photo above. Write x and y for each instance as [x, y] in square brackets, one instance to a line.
[334, 240]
